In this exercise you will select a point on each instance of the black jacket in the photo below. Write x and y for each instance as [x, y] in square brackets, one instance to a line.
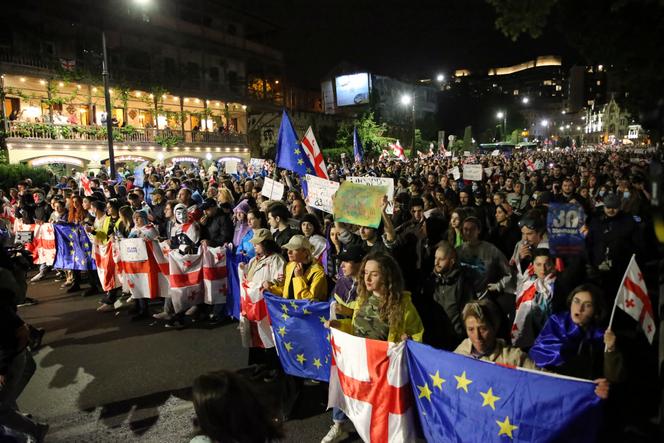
[218, 229]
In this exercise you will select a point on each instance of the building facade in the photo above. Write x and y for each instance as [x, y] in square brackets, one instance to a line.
[183, 77]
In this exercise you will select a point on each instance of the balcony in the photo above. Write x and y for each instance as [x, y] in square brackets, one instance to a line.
[18, 131]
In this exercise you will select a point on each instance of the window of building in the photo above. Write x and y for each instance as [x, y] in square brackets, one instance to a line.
[547, 83]
[515, 92]
[559, 88]
[214, 74]
[192, 71]
[599, 82]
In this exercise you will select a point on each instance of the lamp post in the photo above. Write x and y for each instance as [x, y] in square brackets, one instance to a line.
[406, 100]
[107, 97]
[503, 116]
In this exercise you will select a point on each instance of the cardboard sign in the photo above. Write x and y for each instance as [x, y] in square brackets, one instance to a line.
[230, 167]
[133, 250]
[257, 163]
[472, 172]
[359, 204]
[564, 223]
[488, 171]
[495, 153]
[320, 193]
[387, 182]
[456, 174]
[273, 190]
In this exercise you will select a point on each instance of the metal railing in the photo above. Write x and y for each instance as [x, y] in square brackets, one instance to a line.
[128, 134]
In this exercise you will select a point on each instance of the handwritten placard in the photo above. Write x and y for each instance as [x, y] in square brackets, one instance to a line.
[273, 190]
[320, 192]
[472, 172]
[359, 204]
[386, 182]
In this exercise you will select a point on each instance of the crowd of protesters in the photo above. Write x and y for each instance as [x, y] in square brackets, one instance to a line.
[444, 267]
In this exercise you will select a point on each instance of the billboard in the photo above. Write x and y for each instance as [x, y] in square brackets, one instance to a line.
[352, 89]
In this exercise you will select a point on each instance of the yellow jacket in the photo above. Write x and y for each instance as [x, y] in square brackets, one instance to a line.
[411, 324]
[312, 285]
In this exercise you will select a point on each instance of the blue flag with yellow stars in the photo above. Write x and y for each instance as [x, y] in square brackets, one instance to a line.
[462, 399]
[290, 154]
[302, 341]
[73, 249]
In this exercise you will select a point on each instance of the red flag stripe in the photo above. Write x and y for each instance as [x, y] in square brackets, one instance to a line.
[214, 273]
[638, 291]
[186, 279]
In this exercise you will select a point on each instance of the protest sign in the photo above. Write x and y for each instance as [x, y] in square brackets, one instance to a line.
[272, 189]
[466, 153]
[133, 250]
[257, 163]
[488, 171]
[230, 166]
[378, 181]
[320, 192]
[563, 224]
[472, 172]
[456, 174]
[495, 153]
[448, 154]
[359, 204]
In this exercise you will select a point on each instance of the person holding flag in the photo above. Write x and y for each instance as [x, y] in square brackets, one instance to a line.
[383, 311]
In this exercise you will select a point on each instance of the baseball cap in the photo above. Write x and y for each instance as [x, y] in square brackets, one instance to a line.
[298, 242]
[261, 235]
[612, 201]
[208, 203]
[354, 253]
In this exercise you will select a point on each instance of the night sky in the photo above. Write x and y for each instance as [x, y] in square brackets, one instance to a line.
[404, 39]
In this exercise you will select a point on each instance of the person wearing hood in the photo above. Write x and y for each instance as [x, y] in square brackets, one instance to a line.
[241, 224]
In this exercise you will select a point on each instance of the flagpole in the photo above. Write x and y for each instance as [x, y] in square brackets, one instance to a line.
[615, 300]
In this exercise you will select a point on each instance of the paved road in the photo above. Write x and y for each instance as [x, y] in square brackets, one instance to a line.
[102, 378]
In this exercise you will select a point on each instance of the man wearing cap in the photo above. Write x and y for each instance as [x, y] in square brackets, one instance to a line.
[216, 224]
[304, 276]
[613, 237]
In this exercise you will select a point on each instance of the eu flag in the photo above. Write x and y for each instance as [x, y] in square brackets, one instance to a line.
[358, 151]
[463, 399]
[290, 155]
[302, 341]
[73, 249]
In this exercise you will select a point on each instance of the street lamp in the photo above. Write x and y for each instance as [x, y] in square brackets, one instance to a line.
[440, 78]
[525, 100]
[407, 100]
[107, 97]
[503, 116]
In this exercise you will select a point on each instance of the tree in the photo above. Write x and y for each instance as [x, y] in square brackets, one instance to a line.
[371, 133]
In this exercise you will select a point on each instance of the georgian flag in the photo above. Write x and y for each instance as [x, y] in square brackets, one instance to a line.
[107, 269]
[186, 280]
[526, 300]
[42, 247]
[397, 150]
[85, 184]
[314, 154]
[215, 282]
[144, 278]
[634, 300]
[254, 318]
[369, 381]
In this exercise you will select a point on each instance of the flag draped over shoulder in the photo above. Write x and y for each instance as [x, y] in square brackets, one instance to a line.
[107, 269]
[463, 399]
[369, 382]
[301, 339]
[254, 320]
[73, 248]
[234, 283]
[186, 279]
[42, 246]
[215, 280]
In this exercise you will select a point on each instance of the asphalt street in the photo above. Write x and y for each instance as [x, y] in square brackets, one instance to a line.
[102, 378]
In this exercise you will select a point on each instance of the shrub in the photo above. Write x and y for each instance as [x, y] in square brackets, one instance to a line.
[12, 174]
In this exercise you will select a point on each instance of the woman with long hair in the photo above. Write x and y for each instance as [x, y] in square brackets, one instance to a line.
[255, 220]
[310, 227]
[505, 234]
[229, 410]
[454, 229]
[383, 311]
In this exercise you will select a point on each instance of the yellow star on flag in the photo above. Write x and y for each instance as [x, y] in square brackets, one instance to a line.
[463, 382]
[328, 336]
[71, 243]
[506, 427]
[300, 161]
[71, 252]
[305, 311]
[293, 304]
[489, 398]
[288, 346]
[282, 330]
[297, 152]
[425, 391]
[322, 319]
[284, 308]
[437, 380]
[317, 363]
[285, 316]
[71, 235]
[301, 359]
